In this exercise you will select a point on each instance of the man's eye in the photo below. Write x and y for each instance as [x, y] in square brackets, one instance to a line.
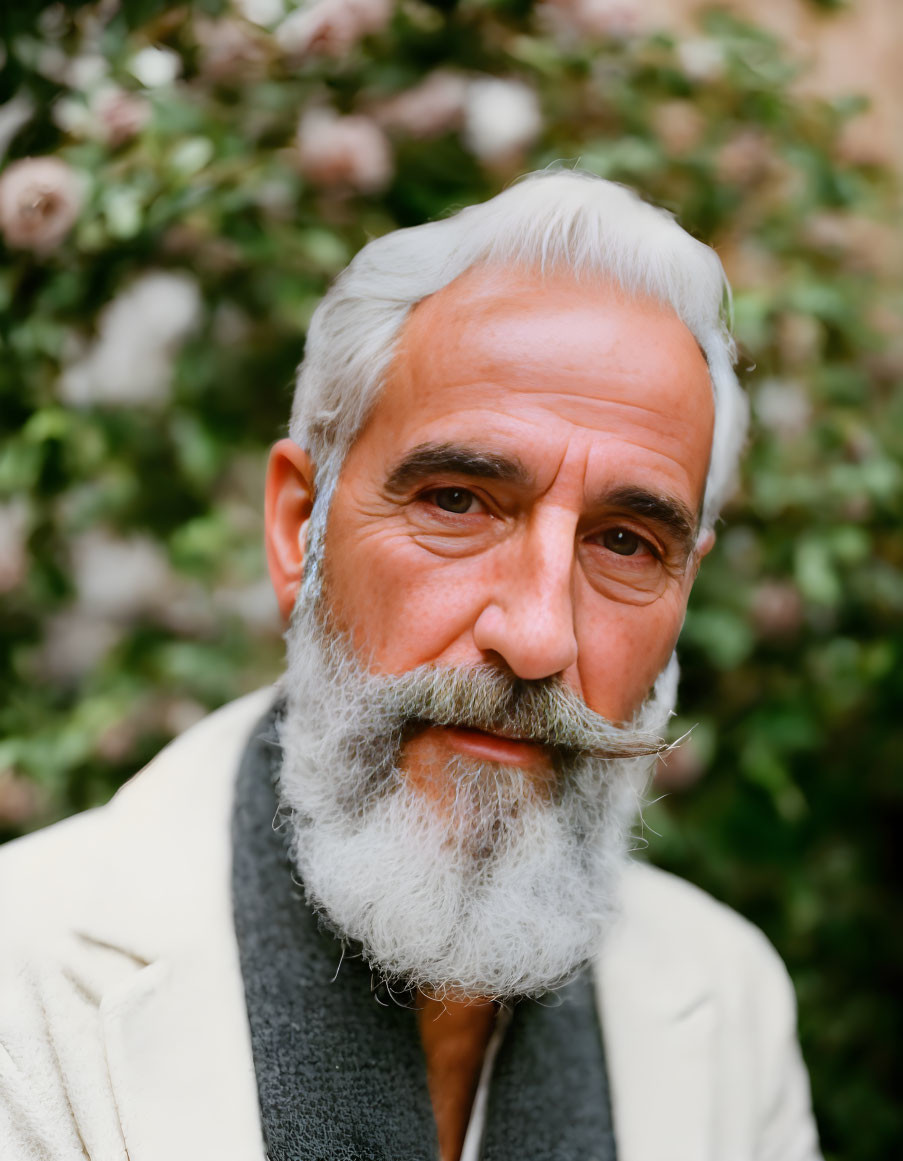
[457, 500]
[623, 542]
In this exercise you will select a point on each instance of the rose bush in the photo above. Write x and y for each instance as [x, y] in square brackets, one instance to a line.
[181, 182]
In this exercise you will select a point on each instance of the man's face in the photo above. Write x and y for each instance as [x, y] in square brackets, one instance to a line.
[510, 546]
[525, 495]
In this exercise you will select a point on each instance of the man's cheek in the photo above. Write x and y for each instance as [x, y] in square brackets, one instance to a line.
[405, 616]
[623, 649]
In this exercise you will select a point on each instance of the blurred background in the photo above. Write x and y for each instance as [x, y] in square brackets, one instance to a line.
[179, 184]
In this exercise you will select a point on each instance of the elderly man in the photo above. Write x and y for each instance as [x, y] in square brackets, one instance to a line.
[386, 912]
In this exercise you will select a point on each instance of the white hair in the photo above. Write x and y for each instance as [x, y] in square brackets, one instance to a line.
[548, 221]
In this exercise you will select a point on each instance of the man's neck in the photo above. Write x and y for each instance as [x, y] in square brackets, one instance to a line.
[454, 1037]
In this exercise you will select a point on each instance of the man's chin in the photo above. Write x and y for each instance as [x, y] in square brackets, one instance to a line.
[473, 804]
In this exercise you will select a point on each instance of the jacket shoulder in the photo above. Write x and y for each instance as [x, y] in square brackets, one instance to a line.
[163, 819]
[690, 942]
[699, 1010]
[101, 912]
[674, 910]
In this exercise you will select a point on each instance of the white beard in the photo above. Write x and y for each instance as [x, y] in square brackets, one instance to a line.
[507, 894]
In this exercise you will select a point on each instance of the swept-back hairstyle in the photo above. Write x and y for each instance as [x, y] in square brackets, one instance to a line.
[549, 221]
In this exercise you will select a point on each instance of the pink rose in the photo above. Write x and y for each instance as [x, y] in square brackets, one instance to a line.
[331, 27]
[617, 19]
[432, 107]
[120, 115]
[40, 200]
[343, 151]
[230, 50]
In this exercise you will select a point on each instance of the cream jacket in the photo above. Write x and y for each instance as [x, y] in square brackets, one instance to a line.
[123, 1032]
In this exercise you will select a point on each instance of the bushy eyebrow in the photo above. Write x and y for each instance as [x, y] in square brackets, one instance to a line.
[670, 514]
[432, 459]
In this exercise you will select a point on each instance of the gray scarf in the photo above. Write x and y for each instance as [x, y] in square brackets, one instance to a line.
[340, 1069]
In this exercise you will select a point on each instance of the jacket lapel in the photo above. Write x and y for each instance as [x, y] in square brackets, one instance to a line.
[180, 1064]
[658, 1019]
[176, 1030]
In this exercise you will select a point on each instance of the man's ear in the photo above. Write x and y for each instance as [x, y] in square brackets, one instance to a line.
[289, 499]
[705, 543]
[704, 546]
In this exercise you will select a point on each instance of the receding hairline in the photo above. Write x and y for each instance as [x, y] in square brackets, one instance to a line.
[487, 276]
[481, 282]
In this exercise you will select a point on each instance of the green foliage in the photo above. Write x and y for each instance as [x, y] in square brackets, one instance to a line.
[134, 437]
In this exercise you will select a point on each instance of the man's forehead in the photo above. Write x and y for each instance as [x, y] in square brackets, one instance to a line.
[523, 365]
[472, 317]
[500, 289]
[519, 328]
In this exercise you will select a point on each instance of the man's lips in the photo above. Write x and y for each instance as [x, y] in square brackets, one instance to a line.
[493, 747]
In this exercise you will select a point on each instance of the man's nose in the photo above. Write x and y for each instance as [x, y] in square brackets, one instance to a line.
[528, 620]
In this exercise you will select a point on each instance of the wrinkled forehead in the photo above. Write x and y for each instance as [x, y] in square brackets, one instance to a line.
[472, 315]
[522, 326]
[494, 289]
[538, 364]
